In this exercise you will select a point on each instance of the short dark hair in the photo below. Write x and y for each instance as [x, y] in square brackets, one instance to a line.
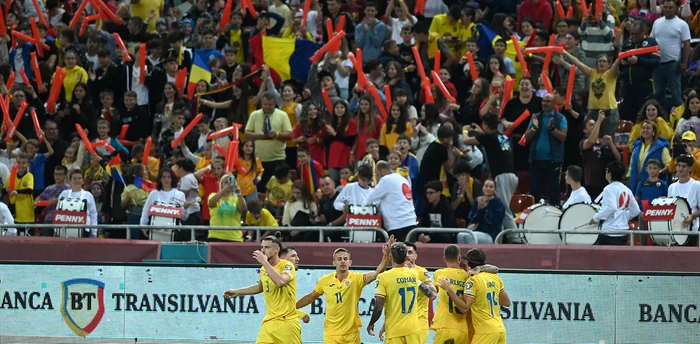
[281, 171]
[186, 164]
[445, 132]
[435, 185]
[420, 28]
[304, 149]
[656, 162]
[403, 136]
[104, 52]
[686, 159]
[616, 170]
[399, 252]
[575, 173]
[74, 171]
[451, 253]
[285, 250]
[410, 244]
[365, 171]
[491, 121]
[274, 240]
[255, 206]
[61, 168]
[461, 168]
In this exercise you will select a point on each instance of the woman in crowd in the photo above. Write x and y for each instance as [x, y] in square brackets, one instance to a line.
[486, 216]
[369, 125]
[602, 94]
[652, 111]
[311, 132]
[648, 146]
[342, 133]
[426, 131]
[253, 170]
[225, 208]
[397, 80]
[691, 117]
[299, 210]
[396, 125]
[166, 194]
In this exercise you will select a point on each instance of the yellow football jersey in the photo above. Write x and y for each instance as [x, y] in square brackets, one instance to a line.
[399, 288]
[485, 288]
[280, 303]
[422, 302]
[447, 315]
[342, 316]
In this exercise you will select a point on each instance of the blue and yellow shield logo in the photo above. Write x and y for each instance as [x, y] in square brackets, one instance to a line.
[82, 304]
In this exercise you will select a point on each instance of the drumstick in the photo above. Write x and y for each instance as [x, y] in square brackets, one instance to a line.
[581, 226]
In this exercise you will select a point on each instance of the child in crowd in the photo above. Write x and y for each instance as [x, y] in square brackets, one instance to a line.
[653, 187]
[37, 161]
[309, 169]
[103, 127]
[258, 216]
[51, 193]
[153, 163]
[136, 117]
[279, 190]
[253, 170]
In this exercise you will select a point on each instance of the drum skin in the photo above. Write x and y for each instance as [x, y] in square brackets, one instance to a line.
[682, 209]
[575, 217]
[542, 216]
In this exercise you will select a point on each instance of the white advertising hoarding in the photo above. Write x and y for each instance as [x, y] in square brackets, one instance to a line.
[187, 303]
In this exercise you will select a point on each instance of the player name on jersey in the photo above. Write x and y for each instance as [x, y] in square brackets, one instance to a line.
[159, 210]
[65, 217]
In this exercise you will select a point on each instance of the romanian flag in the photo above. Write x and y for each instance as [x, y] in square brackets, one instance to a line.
[310, 174]
[143, 184]
[114, 169]
[200, 71]
[288, 58]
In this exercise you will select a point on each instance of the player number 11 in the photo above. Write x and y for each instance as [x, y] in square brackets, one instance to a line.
[493, 301]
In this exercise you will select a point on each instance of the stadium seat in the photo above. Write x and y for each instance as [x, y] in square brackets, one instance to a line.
[624, 127]
[521, 202]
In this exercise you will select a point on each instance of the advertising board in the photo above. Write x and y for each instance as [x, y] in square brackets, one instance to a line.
[187, 303]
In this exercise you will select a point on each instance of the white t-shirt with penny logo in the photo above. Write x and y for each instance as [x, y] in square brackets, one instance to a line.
[395, 200]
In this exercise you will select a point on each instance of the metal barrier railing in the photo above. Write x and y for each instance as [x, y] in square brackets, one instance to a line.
[258, 230]
[414, 232]
[565, 232]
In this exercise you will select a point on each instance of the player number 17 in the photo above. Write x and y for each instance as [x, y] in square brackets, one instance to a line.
[402, 292]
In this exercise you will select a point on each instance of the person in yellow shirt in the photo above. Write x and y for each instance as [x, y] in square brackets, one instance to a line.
[290, 253]
[279, 286]
[343, 290]
[74, 73]
[484, 294]
[449, 322]
[688, 139]
[398, 289]
[22, 195]
[426, 282]
[279, 190]
[602, 91]
[450, 28]
[651, 110]
[258, 216]
[396, 125]
[144, 9]
[225, 209]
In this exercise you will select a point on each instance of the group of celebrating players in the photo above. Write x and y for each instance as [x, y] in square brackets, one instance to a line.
[469, 291]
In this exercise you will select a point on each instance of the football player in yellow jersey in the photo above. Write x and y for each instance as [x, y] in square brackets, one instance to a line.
[343, 290]
[484, 295]
[290, 253]
[449, 322]
[398, 289]
[279, 286]
[423, 298]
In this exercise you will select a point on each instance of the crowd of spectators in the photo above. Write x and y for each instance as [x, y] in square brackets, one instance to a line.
[461, 148]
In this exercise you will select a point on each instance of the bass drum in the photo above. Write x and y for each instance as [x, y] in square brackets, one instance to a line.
[676, 224]
[577, 217]
[541, 216]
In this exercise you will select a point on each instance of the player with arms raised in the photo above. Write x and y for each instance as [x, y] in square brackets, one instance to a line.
[343, 290]
[483, 295]
[279, 285]
[397, 289]
[449, 323]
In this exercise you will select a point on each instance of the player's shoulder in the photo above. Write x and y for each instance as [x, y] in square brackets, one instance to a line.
[422, 272]
[285, 265]
[326, 277]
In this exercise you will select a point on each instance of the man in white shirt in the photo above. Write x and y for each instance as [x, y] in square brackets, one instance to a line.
[618, 206]
[579, 194]
[394, 197]
[689, 189]
[673, 35]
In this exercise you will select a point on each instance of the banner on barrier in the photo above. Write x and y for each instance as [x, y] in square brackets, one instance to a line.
[188, 303]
